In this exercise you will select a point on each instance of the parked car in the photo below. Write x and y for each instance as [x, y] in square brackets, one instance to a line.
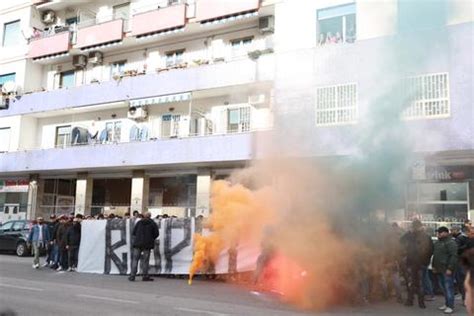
[14, 236]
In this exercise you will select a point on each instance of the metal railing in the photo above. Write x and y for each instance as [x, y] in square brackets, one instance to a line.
[51, 31]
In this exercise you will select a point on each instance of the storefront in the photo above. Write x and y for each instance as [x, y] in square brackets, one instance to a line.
[13, 199]
[440, 196]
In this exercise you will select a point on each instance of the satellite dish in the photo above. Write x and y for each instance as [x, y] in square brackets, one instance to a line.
[9, 87]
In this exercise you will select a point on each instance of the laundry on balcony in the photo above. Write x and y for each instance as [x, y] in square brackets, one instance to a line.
[79, 136]
[138, 133]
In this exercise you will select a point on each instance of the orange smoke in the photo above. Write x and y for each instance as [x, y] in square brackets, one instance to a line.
[238, 215]
[313, 266]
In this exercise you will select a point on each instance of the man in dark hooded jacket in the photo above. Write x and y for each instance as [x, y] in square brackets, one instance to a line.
[144, 234]
[418, 248]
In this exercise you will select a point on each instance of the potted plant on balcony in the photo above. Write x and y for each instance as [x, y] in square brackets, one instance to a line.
[199, 62]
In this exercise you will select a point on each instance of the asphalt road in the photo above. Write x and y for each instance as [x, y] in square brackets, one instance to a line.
[45, 292]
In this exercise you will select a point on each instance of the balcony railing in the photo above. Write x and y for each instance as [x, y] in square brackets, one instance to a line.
[96, 35]
[207, 10]
[172, 81]
[160, 20]
[232, 147]
[49, 45]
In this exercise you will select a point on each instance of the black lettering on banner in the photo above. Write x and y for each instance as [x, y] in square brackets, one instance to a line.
[169, 225]
[156, 251]
[110, 255]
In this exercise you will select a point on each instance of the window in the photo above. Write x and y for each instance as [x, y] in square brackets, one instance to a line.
[7, 77]
[72, 23]
[238, 120]
[67, 79]
[4, 139]
[336, 104]
[241, 46]
[8, 225]
[170, 125]
[428, 96]
[440, 201]
[17, 226]
[337, 24]
[174, 58]
[11, 33]
[114, 131]
[117, 68]
[63, 136]
[122, 11]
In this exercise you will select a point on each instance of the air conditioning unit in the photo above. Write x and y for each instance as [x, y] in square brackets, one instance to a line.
[266, 24]
[137, 113]
[96, 58]
[257, 100]
[4, 102]
[79, 61]
[49, 17]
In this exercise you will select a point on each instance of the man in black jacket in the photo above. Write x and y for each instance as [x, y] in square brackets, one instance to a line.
[73, 240]
[461, 239]
[418, 248]
[50, 247]
[144, 234]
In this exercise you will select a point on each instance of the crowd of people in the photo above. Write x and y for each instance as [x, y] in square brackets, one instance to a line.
[394, 259]
[60, 238]
[336, 38]
[411, 264]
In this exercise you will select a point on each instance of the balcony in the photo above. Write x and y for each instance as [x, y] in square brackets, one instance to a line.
[173, 81]
[98, 35]
[195, 150]
[214, 9]
[49, 46]
[160, 20]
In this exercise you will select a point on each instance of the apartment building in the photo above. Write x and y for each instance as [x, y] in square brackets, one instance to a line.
[130, 105]
[113, 106]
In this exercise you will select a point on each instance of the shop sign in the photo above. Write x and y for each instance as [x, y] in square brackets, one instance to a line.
[10, 185]
[436, 174]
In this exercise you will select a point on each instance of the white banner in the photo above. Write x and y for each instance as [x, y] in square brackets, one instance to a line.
[106, 248]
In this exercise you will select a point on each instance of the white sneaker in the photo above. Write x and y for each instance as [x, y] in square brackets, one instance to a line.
[448, 310]
[69, 269]
[442, 308]
[34, 266]
[59, 269]
[45, 265]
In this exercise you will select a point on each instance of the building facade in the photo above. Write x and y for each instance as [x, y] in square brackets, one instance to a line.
[114, 106]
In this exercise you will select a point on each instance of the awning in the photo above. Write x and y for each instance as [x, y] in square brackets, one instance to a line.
[179, 97]
[229, 18]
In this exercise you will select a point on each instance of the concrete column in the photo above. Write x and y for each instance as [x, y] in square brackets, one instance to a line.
[32, 197]
[140, 192]
[40, 211]
[203, 192]
[83, 201]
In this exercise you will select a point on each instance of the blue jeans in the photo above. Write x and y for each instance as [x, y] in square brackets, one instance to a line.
[427, 285]
[446, 282]
[460, 276]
